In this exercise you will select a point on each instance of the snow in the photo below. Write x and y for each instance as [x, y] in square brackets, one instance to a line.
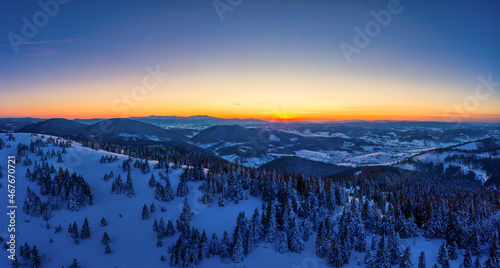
[468, 147]
[313, 155]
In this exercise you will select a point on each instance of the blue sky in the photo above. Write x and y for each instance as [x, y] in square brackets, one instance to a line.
[92, 47]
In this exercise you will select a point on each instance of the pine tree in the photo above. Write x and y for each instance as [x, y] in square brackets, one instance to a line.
[129, 187]
[382, 256]
[34, 260]
[405, 261]
[394, 248]
[368, 259]
[145, 212]
[295, 242]
[452, 250]
[374, 243]
[421, 260]
[85, 232]
[105, 239]
[203, 246]
[282, 246]
[467, 260]
[272, 225]
[74, 264]
[442, 254]
[107, 249]
[225, 246]
[214, 246]
[238, 250]
[103, 222]
[74, 232]
[152, 181]
[170, 231]
[477, 263]
[335, 258]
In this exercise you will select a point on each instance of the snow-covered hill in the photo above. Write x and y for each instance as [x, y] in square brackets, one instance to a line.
[133, 242]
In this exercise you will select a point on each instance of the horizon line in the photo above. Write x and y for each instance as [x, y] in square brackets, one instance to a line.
[275, 120]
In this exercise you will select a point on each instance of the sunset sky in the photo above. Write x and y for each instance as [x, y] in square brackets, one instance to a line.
[268, 59]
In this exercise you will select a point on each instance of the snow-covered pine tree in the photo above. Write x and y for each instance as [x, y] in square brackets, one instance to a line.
[74, 264]
[238, 253]
[225, 247]
[295, 242]
[335, 258]
[170, 230]
[214, 246]
[152, 181]
[405, 261]
[182, 187]
[129, 187]
[394, 247]
[442, 254]
[203, 246]
[452, 250]
[421, 260]
[467, 263]
[382, 256]
[34, 260]
[145, 212]
[85, 232]
[105, 239]
[272, 226]
[282, 245]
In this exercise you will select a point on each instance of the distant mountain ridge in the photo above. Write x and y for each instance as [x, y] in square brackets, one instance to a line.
[118, 130]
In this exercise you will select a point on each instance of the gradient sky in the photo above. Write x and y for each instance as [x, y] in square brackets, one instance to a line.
[266, 59]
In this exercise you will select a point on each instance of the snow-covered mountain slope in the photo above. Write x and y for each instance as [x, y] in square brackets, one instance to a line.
[133, 242]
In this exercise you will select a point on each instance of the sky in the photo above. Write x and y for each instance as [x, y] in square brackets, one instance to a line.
[273, 59]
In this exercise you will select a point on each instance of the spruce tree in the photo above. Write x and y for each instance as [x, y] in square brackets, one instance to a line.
[34, 259]
[467, 260]
[152, 181]
[452, 250]
[382, 256]
[442, 254]
[237, 254]
[405, 261]
[214, 246]
[85, 232]
[105, 239]
[368, 260]
[335, 258]
[282, 245]
[421, 260]
[225, 247]
[170, 231]
[394, 247]
[145, 212]
[74, 264]
[103, 222]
